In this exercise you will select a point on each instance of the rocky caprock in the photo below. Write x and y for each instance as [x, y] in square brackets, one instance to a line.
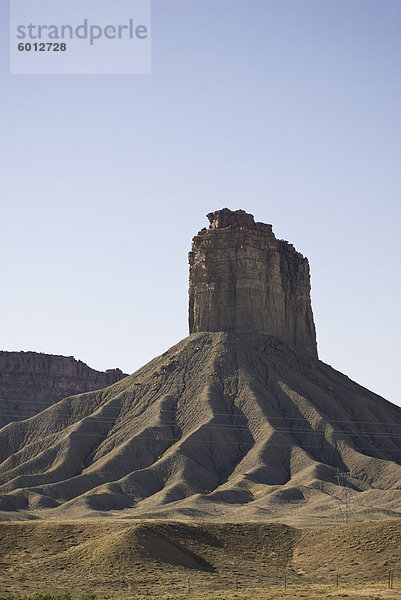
[243, 279]
[239, 421]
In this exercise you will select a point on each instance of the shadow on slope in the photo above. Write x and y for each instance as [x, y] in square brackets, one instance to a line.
[218, 423]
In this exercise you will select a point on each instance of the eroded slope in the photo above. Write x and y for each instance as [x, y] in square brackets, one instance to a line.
[220, 426]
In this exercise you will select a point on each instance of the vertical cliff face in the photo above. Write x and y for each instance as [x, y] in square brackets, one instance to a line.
[243, 279]
[32, 381]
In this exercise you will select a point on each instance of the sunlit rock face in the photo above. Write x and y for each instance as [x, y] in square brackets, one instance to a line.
[243, 279]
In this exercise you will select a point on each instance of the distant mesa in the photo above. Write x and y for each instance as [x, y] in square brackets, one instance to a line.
[32, 381]
[239, 421]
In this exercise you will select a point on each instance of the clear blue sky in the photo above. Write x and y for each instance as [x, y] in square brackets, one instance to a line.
[289, 109]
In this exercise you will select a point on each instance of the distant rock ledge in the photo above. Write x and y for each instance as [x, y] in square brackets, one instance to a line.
[32, 381]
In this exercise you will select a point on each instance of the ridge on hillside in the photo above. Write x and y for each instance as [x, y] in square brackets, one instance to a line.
[32, 381]
[232, 423]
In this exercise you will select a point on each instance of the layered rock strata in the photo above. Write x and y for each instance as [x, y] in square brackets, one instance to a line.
[244, 280]
[32, 381]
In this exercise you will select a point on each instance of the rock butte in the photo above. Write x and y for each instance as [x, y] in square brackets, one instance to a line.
[239, 421]
[243, 279]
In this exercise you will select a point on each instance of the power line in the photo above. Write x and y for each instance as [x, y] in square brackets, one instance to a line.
[189, 439]
[323, 420]
[233, 427]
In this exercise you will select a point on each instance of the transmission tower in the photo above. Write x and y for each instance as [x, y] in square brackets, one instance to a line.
[345, 513]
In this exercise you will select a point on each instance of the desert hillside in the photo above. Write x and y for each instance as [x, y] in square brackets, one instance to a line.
[220, 427]
[125, 558]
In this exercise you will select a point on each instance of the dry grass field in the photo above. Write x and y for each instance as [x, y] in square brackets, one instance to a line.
[129, 559]
[292, 593]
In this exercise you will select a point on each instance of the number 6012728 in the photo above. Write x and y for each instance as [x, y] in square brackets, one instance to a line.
[42, 47]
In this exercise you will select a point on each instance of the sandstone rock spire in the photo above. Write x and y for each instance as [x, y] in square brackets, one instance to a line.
[243, 279]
